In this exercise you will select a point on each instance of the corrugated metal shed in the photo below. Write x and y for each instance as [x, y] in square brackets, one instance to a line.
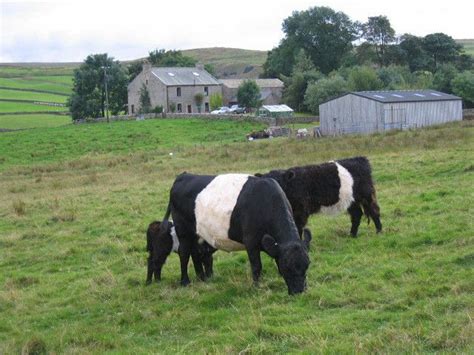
[183, 76]
[378, 111]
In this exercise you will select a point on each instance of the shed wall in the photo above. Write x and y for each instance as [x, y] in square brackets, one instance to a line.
[350, 114]
[421, 114]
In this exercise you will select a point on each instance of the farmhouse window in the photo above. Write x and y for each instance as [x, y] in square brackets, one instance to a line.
[180, 108]
[133, 108]
[178, 91]
[206, 107]
[146, 81]
[206, 90]
[190, 109]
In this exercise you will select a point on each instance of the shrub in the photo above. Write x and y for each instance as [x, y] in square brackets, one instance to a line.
[215, 101]
[322, 90]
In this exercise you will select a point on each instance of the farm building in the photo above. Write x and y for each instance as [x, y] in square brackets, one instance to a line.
[271, 90]
[378, 111]
[173, 87]
[275, 111]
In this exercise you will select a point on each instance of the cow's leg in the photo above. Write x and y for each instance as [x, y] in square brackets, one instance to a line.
[150, 270]
[207, 263]
[197, 261]
[372, 208]
[255, 263]
[185, 248]
[356, 214]
[300, 222]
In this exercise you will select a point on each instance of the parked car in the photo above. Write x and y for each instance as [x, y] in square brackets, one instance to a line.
[237, 109]
[221, 110]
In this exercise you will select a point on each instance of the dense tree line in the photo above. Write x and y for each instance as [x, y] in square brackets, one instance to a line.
[317, 59]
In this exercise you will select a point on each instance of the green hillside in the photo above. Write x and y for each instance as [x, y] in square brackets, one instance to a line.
[231, 62]
[29, 91]
[468, 45]
[75, 202]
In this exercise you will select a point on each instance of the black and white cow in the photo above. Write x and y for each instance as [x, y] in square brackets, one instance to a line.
[331, 188]
[159, 246]
[237, 212]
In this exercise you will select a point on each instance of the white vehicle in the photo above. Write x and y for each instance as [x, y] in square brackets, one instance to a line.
[220, 111]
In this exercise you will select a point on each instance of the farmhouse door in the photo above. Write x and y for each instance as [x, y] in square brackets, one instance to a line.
[190, 109]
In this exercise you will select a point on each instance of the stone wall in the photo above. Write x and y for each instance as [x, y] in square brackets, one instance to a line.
[205, 116]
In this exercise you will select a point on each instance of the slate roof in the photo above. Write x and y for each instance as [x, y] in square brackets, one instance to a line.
[183, 76]
[393, 96]
[262, 83]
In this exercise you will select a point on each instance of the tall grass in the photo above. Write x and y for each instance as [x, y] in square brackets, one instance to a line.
[73, 262]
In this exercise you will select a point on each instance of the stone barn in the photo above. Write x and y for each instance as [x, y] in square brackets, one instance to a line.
[271, 90]
[176, 87]
[379, 111]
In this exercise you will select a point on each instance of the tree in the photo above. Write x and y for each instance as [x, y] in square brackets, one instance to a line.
[414, 53]
[394, 77]
[171, 58]
[280, 60]
[463, 86]
[145, 102]
[364, 79]
[378, 32]
[443, 77]
[88, 94]
[198, 100]
[324, 34]
[296, 84]
[248, 94]
[322, 90]
[215, 101]
[441, 48]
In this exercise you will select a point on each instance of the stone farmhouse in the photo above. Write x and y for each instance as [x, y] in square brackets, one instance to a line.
[271, 90]
[178, 86]
[173, 86]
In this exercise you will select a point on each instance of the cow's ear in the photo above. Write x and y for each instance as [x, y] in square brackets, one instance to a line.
[258, 175]
[270, 246]
[307, 238]
[289, 175]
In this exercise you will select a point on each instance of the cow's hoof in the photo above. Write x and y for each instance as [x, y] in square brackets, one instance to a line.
[185, 283]
[147, 282]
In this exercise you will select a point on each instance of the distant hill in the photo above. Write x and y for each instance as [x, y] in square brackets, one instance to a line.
[468, 45]
[231, 62]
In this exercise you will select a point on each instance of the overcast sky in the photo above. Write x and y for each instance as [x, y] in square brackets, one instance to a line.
[62, 31]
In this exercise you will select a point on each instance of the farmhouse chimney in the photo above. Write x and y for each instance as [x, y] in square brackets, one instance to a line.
[146, 66]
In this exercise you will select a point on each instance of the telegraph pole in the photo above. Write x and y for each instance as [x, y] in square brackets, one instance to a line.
[106, 94]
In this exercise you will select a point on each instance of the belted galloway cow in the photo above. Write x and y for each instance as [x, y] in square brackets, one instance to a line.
[235, 212]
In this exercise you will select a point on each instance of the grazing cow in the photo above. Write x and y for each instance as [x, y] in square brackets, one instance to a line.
[159, 246]
[237, 212]
[331, 188]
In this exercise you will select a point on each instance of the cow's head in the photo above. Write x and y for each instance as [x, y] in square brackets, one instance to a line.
[292, 261]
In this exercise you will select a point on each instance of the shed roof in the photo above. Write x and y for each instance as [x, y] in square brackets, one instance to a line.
[262, 83]
[183, 76]
[392, 96]
[277, 108]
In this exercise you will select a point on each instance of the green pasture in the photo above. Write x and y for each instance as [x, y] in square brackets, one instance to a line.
[36, 84]
[8, 107]
[75, 202]
[30, 95]
[33, 121]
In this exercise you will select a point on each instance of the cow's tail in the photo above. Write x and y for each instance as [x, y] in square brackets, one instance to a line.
[165, 222]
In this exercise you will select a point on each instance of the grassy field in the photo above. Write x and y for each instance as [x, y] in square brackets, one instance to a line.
[75, 203]
[25, 82]
[33, 121]
[30, 95]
